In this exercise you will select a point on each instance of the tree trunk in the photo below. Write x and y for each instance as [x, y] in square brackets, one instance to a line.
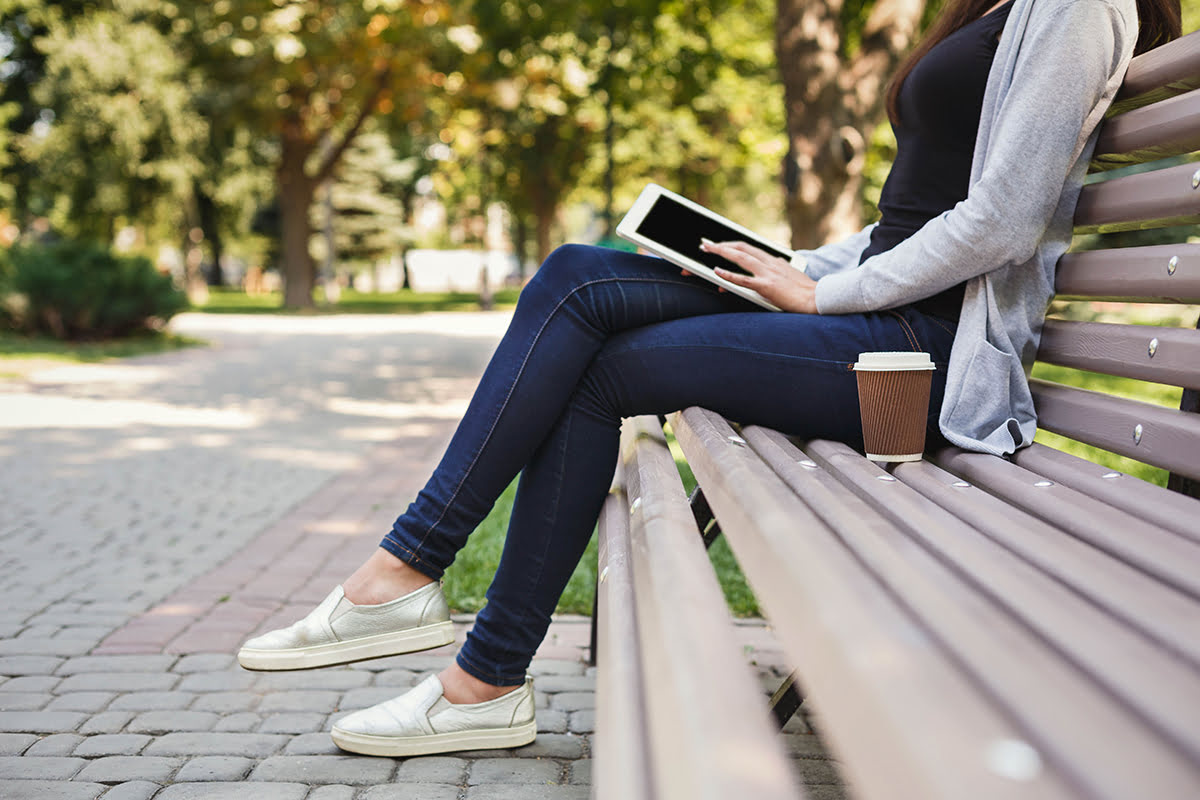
[832, 105]
[296, 192]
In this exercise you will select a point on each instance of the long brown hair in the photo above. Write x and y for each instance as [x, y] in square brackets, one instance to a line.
[1158, 22]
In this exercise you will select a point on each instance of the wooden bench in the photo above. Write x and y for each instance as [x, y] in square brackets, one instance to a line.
[964, 627]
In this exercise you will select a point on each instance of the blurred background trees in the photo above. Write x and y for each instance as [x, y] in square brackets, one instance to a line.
[211, 136]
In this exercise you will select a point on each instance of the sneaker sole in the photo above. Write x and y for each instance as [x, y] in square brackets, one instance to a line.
[489, 739]
[361, 649]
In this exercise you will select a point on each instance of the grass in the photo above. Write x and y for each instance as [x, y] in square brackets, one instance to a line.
[405, 301]
[19, 354]
[469, 576]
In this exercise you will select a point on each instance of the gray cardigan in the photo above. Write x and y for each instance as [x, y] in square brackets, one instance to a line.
[1058, 66]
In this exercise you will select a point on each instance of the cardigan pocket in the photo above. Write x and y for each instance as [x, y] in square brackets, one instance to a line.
[983, 407]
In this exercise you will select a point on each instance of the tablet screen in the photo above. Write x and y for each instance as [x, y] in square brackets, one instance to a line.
[680, 228]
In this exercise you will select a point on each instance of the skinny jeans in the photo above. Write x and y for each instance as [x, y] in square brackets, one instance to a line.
[598, 335]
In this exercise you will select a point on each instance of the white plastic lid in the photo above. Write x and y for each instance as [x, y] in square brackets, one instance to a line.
[882, 362]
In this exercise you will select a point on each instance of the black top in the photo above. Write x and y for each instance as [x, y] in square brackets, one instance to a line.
[939, 105]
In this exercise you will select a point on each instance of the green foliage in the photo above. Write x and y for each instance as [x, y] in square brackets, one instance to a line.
[468, 578]
[73, 290]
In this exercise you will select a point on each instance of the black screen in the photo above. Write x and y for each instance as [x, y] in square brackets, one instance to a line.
[680, 228]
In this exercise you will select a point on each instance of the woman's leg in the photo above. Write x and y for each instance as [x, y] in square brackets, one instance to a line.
[579, 299]
[787, 371]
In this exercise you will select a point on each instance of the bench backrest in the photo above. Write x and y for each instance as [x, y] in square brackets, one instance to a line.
[1154, 122]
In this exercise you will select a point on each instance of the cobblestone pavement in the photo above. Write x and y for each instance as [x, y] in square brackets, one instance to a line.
[156, 512]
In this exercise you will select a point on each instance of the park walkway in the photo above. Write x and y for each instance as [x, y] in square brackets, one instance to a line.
[156, 512]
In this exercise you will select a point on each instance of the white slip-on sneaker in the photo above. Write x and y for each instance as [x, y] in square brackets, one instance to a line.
[338, 631]
[422, 721]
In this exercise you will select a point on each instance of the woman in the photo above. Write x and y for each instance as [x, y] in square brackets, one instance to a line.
[994, 114]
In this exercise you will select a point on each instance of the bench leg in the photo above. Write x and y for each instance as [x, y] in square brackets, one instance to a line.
[786, 701]
[706, 521]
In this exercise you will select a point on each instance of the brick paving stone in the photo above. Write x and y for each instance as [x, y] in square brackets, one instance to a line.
[49, 790]
[514, 770]
[129, 663]
[243, 722]
[312, 744]
[118, 682]
[48, 768]
[549, 721]
[494, 791]
[118, 769]
[369, 696]
[232, 791]
[566, 683]
[325, 769]
[217, 681]
[23, 701]
[30, 683]
[56, 744]
[817, 772]
[132, 790]
[417, 791]
[582, 722]
[573, 701]
[40, 721]
[203, 662]
[580, 773]
[301, 700]
[552, 745]
[556, 666]
[13, 744]
[396, 678]
[332, 792]
[807, 745]
[106, 722]
[45, 647]
[113, 744]
[293, 722]
[432, 769]
[159, 722]
[336, 679]
[152, 701]
[225, 702]
[81, 701]
[254, 745]
[215, 768]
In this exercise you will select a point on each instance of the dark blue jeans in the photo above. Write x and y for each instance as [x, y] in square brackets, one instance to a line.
[599, 335]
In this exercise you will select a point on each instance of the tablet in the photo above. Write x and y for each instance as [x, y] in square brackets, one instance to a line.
[671, 226]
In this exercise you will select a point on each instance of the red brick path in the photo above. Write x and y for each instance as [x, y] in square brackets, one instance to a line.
[290, 567]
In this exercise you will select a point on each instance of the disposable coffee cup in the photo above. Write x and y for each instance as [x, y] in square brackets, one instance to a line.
[893, 395]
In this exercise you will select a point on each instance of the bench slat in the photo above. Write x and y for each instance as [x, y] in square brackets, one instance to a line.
[1150, 679]
[622, 771]
[1167, 556]
[1003, 635]
[1142, 274]
[1158, 354]
[868, 667]
[1162, 72]
[689, 644]
[1167, 509]
[1168, 438]
[1144, 200]
[1161, 613]
[1167, 128]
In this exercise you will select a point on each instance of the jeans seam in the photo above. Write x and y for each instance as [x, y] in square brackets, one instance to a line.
[520, 372]
[908, 331]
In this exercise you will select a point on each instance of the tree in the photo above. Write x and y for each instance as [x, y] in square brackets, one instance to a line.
[117, 139]
[309, 75]
[834, 58]
[368, 216]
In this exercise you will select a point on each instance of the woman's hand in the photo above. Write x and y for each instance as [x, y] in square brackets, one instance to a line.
[772, 277]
